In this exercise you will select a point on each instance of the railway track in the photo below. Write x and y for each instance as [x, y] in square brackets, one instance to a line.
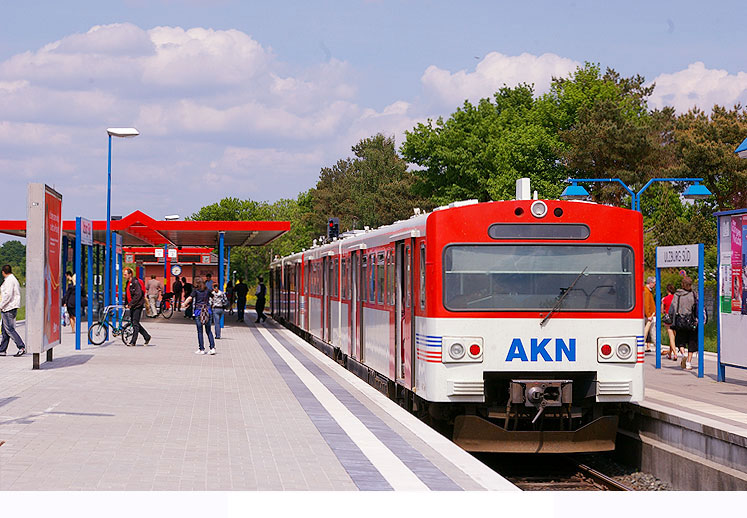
[551, 473]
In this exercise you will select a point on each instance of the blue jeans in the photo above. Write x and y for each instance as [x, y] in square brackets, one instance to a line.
[208, 331]
[9, 331]
[217, 314]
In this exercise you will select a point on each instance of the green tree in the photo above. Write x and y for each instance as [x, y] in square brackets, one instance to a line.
[705, 145]
[372, 188]
[481, 150]
[14, 253]
[250, 261]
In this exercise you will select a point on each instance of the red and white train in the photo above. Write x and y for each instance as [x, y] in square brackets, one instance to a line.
[517, 323]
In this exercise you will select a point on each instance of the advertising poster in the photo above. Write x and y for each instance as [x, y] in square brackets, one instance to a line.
[743, 266]
[736, 264]
[726, 282]
[52, 254]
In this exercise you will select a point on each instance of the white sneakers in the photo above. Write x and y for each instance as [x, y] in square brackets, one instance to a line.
[688, 366]
[212, 351]
[200, 351]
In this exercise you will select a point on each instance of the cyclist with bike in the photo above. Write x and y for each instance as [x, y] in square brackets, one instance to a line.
[135, 295]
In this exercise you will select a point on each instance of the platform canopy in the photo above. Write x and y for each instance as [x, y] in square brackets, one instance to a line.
[139, 229]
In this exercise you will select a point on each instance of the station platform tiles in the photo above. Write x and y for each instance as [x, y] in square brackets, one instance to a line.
[721, 405]
[267, 412]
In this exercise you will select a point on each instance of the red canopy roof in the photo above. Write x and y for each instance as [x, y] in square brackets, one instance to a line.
[139, 229]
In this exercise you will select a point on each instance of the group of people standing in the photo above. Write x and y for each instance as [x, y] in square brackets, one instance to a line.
[679, 310]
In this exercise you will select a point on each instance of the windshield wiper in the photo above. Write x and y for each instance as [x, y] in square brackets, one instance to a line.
[562, 297]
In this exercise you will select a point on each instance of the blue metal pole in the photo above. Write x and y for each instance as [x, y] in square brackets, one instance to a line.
[701, 330]
[658, 319]
[78, 282]
[91, 272]
[221, 267]
[107, 250]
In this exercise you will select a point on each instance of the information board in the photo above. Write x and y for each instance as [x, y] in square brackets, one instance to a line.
[43, 268]
[732, 272]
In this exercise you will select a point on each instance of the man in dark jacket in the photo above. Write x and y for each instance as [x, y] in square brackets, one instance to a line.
[261, 294]
[187, 287]
[240, 291]
[135, 294]
[176, 287]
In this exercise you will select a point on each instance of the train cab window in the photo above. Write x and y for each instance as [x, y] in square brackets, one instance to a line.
[422, 276]
[364, 278]
[526, 277]
[381, 278]
[372, 278]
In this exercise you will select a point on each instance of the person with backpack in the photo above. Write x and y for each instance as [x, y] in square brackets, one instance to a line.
[683, 312]
[200, 298]
[176, 287]
[135, 300]
[219, 303]
[240, 291]
[260, 306]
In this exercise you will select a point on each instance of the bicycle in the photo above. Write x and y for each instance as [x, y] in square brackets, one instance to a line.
[163, 307]
[120, 327]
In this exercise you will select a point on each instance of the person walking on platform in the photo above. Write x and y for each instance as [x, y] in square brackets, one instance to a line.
[209, 282]
[135, 299]
[200, 298]
[187, 293]
[68, 299]
[240, 291]
[153, 289]
[177, 287]
[229, 296]
[218, 302]
[260, 306]
[666, 303]
[649, 311]
[10, 301]
[683, 311]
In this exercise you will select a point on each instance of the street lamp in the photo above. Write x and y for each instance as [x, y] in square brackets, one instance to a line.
[741, 151]
[697, 191]
[108, 276]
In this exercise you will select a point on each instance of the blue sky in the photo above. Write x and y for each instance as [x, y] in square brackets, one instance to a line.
[251, 99]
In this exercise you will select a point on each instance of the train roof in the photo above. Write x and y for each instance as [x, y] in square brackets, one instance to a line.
[412, 227]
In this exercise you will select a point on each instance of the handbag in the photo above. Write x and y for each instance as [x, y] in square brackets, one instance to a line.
[666, 318]
[204, 315]
[687, 322]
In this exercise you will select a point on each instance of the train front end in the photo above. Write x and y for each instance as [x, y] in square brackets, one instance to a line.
[536, 307]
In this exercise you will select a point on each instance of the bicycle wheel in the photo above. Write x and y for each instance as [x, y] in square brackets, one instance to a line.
[127, 333]
[97, 333]
[168, 310]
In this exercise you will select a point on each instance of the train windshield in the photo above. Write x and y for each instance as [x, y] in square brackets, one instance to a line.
[521, 277]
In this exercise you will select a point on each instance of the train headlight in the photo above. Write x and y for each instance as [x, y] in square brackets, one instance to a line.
[538, 209]
[624, 351]
[456, 351]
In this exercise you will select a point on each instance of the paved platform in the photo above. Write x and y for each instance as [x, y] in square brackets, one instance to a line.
[268, 412]
[721, 405]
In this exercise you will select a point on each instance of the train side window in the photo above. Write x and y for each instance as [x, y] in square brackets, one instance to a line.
[372, 278]
[408, 272]
[422, 276]
[343, 277]
[390, 278]
[381, 277]
[364, 278]
[334, 273]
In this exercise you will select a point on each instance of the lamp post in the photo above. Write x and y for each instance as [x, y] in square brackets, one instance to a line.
[108, 277]
[696, 191]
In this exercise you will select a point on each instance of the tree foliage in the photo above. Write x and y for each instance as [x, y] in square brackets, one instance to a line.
[372, 188]
[14, 253]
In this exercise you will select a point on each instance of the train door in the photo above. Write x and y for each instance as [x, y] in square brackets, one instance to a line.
[363, 296]
[325, 298]
[353, 303]
[307, 296]
[403, 311]
[296, 293]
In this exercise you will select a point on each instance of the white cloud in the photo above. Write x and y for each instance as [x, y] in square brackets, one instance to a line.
[699, 86]
[493, 72]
